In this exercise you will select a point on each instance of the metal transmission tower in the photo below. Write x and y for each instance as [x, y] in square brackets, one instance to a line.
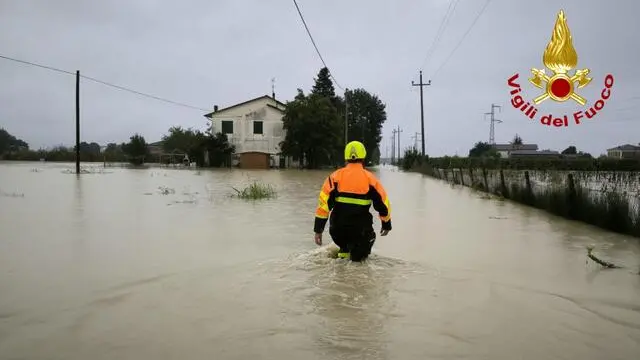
[421, 84]
[415, 140]
[492, 129]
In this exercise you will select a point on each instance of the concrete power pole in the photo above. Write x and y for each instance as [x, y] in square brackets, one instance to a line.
[422, 85]
[399, 151]
[492, 130]
[393, 146]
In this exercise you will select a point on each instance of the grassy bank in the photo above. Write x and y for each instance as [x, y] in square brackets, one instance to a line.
[565, 196]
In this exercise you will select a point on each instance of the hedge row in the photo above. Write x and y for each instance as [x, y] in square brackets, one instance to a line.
[575, 164]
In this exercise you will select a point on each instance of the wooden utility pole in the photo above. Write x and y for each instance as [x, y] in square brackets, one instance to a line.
[346, 118]
[421, 84]
[78, 122]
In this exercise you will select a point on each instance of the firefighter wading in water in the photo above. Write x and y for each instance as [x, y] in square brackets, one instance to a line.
[348, 194]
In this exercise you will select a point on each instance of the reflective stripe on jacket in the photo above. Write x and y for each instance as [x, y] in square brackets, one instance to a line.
[347, 194]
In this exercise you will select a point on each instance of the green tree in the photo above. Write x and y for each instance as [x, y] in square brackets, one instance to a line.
[517, 140]
[366, 116]
[483, 149]
[136, 149]
[572, 150]
[187, 141]
[114, 152]
[9, 143]
[179, 139]
[219, 149]
[313, 130]
[323, 85]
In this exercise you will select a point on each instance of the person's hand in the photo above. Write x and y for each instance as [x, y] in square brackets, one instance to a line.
[384, 232]
[318, 238]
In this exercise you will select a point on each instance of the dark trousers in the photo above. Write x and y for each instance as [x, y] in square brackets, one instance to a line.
[356, 241]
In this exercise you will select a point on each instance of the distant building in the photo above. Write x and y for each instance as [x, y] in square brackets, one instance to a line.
[255, 128]
[626, 151]
[505, 150]
[532, 153]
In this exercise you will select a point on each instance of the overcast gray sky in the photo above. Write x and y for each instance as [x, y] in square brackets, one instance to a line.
[223, 52]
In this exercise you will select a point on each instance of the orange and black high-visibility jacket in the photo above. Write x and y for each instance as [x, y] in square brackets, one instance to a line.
[348, 194]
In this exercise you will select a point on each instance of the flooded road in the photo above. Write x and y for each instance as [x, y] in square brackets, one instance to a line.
[108, 267]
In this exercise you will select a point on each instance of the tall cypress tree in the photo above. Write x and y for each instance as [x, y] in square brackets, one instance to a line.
[324, 85]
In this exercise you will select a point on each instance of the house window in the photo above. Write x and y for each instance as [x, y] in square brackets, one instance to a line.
[227, 126]
[257, 127]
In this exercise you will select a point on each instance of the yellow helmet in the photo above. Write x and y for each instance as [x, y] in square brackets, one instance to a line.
[355, 150]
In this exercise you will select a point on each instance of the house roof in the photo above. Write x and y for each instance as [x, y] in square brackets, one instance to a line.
[626, 147]
[209, 115]
[157, 143]
[534, 152]
[511, 147]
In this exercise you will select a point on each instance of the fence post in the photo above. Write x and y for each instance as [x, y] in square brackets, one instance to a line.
[486, 183]
[461, 176]
[471, 175]
[503, 185]
[529, 192]
[571, 198]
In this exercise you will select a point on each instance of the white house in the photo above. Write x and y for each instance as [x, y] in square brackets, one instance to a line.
[255, 128]
[626, 151]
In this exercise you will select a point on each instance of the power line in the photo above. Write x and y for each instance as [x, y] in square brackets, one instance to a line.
[38, 65]
[462, 39]
[441, 28]
[105, 83]
[143, 94]
[314, 43]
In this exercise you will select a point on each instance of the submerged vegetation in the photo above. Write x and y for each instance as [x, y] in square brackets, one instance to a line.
[255, 191]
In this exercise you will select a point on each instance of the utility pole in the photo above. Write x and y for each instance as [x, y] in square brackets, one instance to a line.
[362, 120]
[393, 147]
[421, 84]
[78, 122]
[415, 140]
[346, 117]
[492, 130]
[399, 151]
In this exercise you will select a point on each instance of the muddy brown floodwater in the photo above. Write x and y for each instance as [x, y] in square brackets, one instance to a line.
[104, 266]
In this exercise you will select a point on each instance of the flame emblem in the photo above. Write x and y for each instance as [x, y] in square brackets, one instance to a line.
[560, 57]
